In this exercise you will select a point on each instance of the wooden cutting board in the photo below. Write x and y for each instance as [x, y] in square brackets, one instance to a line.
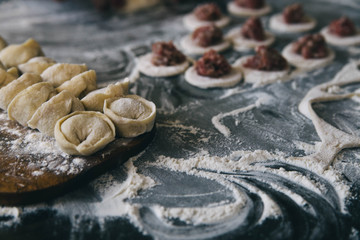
[32, 169]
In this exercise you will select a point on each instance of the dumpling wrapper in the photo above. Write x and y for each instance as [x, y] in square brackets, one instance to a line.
[8, 76]
[3, 43]
[81, 84]
[84, 132]
[131, 114]
[94, 101]
[16, 54]
[46, 116]
[59, 73]
[25, 104]
[8, 92]
[36, 65]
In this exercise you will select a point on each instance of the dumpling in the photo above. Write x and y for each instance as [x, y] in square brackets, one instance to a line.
[46, 116]
[8, 92]
[16, 54]
[94, 101]
[8, 76]
[36, 65]
[24, 105]
[59, 73]
[81, 84]
[132, 115]
[84, 132]
[3, 43]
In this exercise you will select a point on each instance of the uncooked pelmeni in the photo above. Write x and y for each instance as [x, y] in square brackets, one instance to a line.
[131, 114]
[259, 77]
[8, 92]
[278, 24]
[229, 80]
[243, 44]
[15, 54]
[146, 67]
[81, 84]
[340, 41]
[24, 104]
[36, 65]
[84, 132]
[307, 64]
[191, 22]
[46, 116]
[94, 101]
[190, 47]
[8, 76]
[247, 12]
[59, 73]
[3, 43]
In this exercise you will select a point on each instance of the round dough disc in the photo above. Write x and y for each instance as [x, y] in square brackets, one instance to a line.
[247, 12]
[229, 80]
[243, 44]
[278, 24]
[190, 47]
[340, 41]
[146, 67]
[298, 61]
[191, 22]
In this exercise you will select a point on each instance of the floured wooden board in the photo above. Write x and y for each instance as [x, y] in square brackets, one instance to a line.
[34, 169]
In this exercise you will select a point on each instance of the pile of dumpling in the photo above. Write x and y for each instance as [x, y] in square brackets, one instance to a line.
[46, 96]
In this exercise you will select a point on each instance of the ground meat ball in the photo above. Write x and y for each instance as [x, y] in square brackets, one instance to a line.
[166, 54]
[208, 12]
[212, 65]
[207, 35]
[253, 29]
[266, 59]
[342, 27]
[294, 13]
[311, 46]
[253, 4]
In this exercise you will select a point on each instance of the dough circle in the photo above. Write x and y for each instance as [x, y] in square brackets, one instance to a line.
[131, 114]
[278, 24]
[340, 41]
[146, 67]
[298, 61]
[191, 22]
[189, 46]
[247, 12]
[258, 77]
[229, 80]
[84, 132]
[243, 44]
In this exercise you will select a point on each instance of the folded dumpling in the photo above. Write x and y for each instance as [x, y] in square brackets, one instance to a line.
[24, 105]
[94, 101]
[59, 73]
[3, 43]
[81, 84]
[46, 116]
[84, 132]
[8, 76]
[131, 114]
[36, 65]
[15, 54]
[8, 92]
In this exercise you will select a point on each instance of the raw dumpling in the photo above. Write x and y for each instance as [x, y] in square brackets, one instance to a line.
[132, 115]
[16, 54]
[81, 84]
[24, 105]
[94, 101]
[59, 73]
[36, 65]
[46, 116]
[3, 43]
[8, 92]
[84, 132]
[8, 76]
